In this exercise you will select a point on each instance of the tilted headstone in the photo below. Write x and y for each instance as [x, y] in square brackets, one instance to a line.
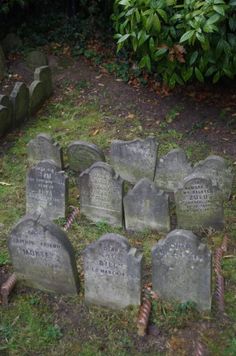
[171, 170]
[20, 101]
[101, 194]
[81, 155]
[199, 204]
[5, 101]
[44, 75]
[134, 160]
[4, 123]
[36, 91]
[112, 272]
[42, 256]
[47, 190]
[36, 59]
[146, 207]
[44, 147]
[217, 169]
[181, 269]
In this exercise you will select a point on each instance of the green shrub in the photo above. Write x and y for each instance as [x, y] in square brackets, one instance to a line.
[179, 40]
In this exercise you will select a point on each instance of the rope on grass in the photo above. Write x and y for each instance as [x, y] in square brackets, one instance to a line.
[71, 218]
[7, 288]
[145, 310]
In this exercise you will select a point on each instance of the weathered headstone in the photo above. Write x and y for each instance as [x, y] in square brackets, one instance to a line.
[101, 194]
[81, 155]
[44, 75]
[4, 123]
[42, 256]
[181, 269]
[11, 43]
[44, 147]
[5, 101]
[171, 170]
[20, 101]
[146, 207]
[36, 91]
[46, 190]
[134, 160]
[217, 169]
[112, 272]
[2, 64]
[36, 59]
[199, 204]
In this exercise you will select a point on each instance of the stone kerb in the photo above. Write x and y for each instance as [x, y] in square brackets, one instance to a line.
[113, 272]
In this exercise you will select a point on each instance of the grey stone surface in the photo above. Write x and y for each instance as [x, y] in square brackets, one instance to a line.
[42, 256]
[134, 160]
[36, 59]
[4, 123]
[171, 170]
[146, 207]
[44, 75]
[81, 155]
[37, 96]
[44, 147]
[46, 190]
[2, 64]
[112, 272]
[199, 204]
[181, 269]
[217, 169]
[19, 98]
[11, 43]
[5, 101]
[101, 194]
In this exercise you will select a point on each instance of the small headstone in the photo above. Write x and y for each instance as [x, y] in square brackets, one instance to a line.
[101, 194]
[181, 269]
[43, 147]
[44, 75]
[146, 207]
[199, 204]
[47, 190]
[2, 64]
[81, 155]
[171, 170]
[42, 256]
[112, 272]
[36, 91]
[217, 169]
[134, 160]
[20, 101]
[5, 101]
[11, 43]
[36, 59]
[4, 123]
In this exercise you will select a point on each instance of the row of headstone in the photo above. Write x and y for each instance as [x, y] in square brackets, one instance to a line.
[43, 258]
[23, 101]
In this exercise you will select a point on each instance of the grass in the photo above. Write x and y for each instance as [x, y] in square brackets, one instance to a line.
[36, 323]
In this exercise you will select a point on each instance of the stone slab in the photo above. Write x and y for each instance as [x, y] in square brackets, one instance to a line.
[5, 101]
[37, 96]
[19, 98]
[4, 123]
[44, 75]
[36, 59]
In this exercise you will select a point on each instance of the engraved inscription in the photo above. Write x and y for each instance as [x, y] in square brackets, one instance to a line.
[196, 197]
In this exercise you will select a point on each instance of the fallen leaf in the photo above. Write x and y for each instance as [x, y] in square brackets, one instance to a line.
[4, 183]
[95, 132]
[130, 116]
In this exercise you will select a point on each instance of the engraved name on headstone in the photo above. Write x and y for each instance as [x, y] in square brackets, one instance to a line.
[46, 190]
[42, 256]
[181, 269]
[146, 207]
[199, 204]
[112, 272]
[43, 147]
[81, 155]
[134, 160]
[101, 194]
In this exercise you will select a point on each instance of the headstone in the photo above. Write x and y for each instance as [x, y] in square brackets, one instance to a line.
[2, 64]
[5, 101]
[47, 190]
[11, 43]
[171, 170]
[101, 194]
[44, 147]
[217, 169]
[4, 123]
[36, 91]
[134, 160]
[20, 101]
[146, 207]
[36, 59]
[112, 272]
[44, 75]
[181, 269]
[42, 256]
[199, 204]
[81, 155]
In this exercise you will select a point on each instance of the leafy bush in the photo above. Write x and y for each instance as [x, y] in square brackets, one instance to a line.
[179, 40]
